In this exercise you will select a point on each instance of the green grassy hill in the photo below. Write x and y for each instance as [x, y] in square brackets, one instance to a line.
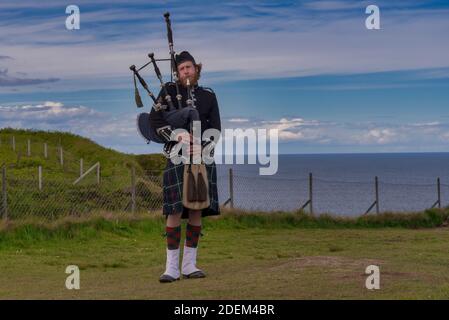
[74, 148]
[58, 196]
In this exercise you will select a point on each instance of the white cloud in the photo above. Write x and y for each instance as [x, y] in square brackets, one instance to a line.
[331, 133]
[377, 136]
[53, 104]
[47, 112]
[426, 124]
[77, 119]
[120, 130]
[238, 120]
[294, 129]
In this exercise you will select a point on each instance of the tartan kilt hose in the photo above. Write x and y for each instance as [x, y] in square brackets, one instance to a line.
[173, 184]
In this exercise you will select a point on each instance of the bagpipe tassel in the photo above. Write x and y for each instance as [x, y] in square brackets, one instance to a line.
[139, 102]
[192, 194]
[202, 188]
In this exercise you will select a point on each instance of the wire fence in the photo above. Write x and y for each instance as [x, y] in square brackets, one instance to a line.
[59, 197]
[320, 195]
[50, 197]
[28, 192]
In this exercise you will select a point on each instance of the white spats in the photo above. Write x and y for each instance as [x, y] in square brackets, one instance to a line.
[189, 260]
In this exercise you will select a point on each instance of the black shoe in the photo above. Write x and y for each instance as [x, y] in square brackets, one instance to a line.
[194, 275]
[166, 278]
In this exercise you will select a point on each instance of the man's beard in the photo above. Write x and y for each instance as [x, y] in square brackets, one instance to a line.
[193, 80]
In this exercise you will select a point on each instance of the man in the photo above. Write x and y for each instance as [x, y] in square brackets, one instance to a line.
[173, 209]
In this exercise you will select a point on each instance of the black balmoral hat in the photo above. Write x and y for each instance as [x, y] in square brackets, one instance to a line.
[183, 57]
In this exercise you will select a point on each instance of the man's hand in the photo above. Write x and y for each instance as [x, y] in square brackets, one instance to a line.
[185, 137]
[192, 149]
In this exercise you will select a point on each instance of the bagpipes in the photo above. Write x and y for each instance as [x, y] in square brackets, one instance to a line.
[195, 186]
[173, 113]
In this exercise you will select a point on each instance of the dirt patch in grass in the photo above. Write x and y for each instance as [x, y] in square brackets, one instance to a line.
[326, 261]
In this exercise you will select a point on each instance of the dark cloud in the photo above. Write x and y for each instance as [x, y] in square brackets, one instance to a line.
[6, 57]
[7, 80]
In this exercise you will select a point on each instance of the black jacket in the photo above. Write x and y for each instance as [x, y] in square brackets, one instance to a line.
[205, 102]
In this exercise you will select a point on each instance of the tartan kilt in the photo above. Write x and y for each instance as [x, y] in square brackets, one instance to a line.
[173, 184]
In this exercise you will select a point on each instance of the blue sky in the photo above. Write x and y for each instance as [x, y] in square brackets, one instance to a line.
[307, 68]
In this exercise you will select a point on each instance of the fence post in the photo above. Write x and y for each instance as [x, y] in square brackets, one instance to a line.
[61, 156]
[45, 151]
[81, 167]
[133, 189]
[439, 193]
[231, 188]
[5, 200]
[40, 177]
[29, 148]
[13, 143]
[377, 195]
[95, 166]
[311, 192]
[309, 202]
[98, 173]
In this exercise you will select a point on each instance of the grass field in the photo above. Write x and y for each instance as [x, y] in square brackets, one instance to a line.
[252, 256]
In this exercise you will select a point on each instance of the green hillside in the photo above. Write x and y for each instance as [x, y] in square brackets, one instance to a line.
[58, 196]
[74, 148]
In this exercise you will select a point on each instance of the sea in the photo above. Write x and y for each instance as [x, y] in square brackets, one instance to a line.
[342, 184]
